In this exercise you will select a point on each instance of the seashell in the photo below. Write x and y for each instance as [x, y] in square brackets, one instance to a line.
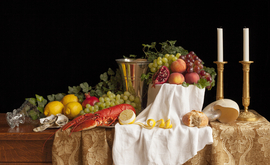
[225, 110]
[61, 120]
[46, 123]
[46, 119]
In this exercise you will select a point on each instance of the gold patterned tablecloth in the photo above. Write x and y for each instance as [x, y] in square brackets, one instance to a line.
[238, 143]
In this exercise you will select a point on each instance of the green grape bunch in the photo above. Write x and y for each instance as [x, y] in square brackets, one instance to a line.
[111, 99]
[163, 61]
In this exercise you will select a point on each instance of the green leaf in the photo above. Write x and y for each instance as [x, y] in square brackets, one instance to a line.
[184, 84]
[100, 84]
[110, 72]
[79, 95]
[33, 114]
[32, 101]
[172, 42]
[39, 98]
[132, 56]
[85, 87]
[74, 89]
[104, 76]
[59, 96]
[51, 97]
[202, 83]
[42, 103]
[40, 109]
[99, 93]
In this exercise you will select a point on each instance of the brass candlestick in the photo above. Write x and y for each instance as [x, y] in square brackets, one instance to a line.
[246, 115]
[220, 68]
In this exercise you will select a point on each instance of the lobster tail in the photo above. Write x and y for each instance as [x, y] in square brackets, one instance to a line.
[77, 121]
[88, 124]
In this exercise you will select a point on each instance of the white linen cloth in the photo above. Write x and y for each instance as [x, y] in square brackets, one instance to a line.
[134, 145]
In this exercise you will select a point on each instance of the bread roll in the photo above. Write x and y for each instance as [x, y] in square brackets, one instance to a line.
[195, 119]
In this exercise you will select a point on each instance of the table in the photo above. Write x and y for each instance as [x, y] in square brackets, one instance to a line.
[21, 145]
[236, 143]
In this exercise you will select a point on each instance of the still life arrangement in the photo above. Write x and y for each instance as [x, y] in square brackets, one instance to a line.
[173, 124]
[172, 64]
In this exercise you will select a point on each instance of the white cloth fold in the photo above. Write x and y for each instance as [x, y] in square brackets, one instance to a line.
[135, 145]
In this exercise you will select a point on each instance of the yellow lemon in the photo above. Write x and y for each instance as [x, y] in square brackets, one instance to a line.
[69, 98]
[127, 117]
[72, 109]
[53, 108]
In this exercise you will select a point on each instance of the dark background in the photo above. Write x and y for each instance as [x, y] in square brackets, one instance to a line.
[48, 46]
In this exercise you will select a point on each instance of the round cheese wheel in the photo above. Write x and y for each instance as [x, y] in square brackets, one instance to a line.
[225, 110]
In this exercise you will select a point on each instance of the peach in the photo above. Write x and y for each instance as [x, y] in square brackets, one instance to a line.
[178, 66]
[192, 77]
[176, 78]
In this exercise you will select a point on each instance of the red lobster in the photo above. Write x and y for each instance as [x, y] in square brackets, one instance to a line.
[103, 117]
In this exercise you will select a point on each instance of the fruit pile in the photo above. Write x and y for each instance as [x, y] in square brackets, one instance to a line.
[182, 69]
[69, 106]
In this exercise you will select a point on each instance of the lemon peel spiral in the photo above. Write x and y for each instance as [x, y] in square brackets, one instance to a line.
[151, 123]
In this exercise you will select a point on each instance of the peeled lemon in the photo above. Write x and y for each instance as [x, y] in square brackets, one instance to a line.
[53, 108]
[151, 123]
[127, 117]
[72, 109]
[69, 98]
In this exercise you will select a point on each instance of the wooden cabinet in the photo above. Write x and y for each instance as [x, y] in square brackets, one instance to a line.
[21, 145]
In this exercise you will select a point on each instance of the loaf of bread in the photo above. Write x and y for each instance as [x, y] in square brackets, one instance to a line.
[195, 119]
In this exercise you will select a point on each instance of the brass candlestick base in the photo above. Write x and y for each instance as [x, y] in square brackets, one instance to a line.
[246, 115]
[220, 68]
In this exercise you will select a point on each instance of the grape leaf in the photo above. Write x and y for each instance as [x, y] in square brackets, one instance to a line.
[202, 83]
[31, 100]
[110, 72]
[79, 95]
[33, 114]
[42, 103]
[51, 97]
[39, 98]
[85, 87]
[59, 96]
[56, 97]
[104, 76]
[184, 84]
[41, 109]
[74, 89]
[99, 92]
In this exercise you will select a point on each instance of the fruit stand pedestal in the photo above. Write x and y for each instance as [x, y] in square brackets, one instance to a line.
[21, 145]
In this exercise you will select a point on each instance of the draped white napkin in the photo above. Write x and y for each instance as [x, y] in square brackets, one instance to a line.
[135, 145]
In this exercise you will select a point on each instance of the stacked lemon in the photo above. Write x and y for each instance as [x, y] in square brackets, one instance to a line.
[53, 108]
[72, 106]
[69, 106]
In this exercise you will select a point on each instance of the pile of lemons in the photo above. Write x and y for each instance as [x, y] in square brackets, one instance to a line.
[69, 106]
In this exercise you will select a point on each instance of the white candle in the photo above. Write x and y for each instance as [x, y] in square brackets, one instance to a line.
[220, 44]
[245, 44]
